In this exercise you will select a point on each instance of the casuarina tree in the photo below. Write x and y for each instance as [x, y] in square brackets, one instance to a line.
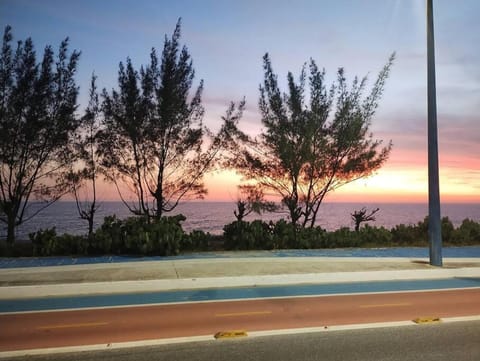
[315, 139]
[154, 142]
[37, 120]
[85, 172]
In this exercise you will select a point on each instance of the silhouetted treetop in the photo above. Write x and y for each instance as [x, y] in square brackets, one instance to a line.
[311, 145]
[37, 120]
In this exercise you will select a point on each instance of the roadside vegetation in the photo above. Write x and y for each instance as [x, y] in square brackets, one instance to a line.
[166, 237]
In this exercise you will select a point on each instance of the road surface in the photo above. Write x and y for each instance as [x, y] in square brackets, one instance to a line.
[32, 330]
[440, 342]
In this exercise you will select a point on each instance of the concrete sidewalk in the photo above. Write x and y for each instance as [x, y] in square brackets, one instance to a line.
[151, 276]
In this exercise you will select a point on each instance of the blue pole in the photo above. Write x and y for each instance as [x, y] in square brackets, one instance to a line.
[434, 218]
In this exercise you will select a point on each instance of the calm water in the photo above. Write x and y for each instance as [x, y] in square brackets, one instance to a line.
[212, 216]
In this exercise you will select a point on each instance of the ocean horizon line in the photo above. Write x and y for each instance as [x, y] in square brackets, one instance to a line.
[234, 201]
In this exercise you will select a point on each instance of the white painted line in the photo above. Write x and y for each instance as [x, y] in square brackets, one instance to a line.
[359, 326]
[461, 318]
[103, 347]
[294, 331]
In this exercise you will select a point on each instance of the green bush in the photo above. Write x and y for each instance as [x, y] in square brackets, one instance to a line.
[314, 237]
[135, 235]
[467, 234]
[284, 236]
[447, 230]
[165, 237]
[43, 241]
[241, 235]
[343, 237]
[374, 236]
[196, 241]
[108, 238]
[408, 235]
[417, 235]
[305, 238]
[48, 243]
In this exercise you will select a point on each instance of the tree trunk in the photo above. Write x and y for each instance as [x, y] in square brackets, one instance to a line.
[159, 211]
[11, 229]
[90, 224]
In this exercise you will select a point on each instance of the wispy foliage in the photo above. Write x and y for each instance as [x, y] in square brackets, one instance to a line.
[252, 200]
[153, 139]
[311, 145]
[37, 120]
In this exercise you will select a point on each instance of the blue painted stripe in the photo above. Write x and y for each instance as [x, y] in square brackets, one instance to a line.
[43, 304]
[410, 252]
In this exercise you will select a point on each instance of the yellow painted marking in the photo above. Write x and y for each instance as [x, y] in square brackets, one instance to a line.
[253, 313]
[427, 320]
[231, 334]
[72, 325]
[386, 305]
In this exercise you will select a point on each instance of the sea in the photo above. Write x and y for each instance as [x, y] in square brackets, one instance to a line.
[212, 216]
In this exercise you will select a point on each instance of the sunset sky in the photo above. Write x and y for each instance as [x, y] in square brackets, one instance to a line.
[227, 40]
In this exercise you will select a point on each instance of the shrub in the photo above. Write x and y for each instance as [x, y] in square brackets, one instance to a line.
[233, 234]
[374, 236]
[43, 241]
[196, 241]
[342, 237]
[135, 235]
[48, 243]
[242, 235]
[108, 238]
[284, 235]
[417, 235]
[447, 230]
[163, 236]
[468, 233]
[314, 237]
[408, 235]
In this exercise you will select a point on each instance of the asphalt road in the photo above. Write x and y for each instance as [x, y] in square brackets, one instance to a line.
[434, 342]
[21, 331]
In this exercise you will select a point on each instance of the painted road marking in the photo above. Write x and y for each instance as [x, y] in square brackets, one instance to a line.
[235, 314]
[229, 294]
[422, 320]
[386, 305]
[72, 325]
[230, 334]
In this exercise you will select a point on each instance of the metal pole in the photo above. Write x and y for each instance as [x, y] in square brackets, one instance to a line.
[434, 220]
